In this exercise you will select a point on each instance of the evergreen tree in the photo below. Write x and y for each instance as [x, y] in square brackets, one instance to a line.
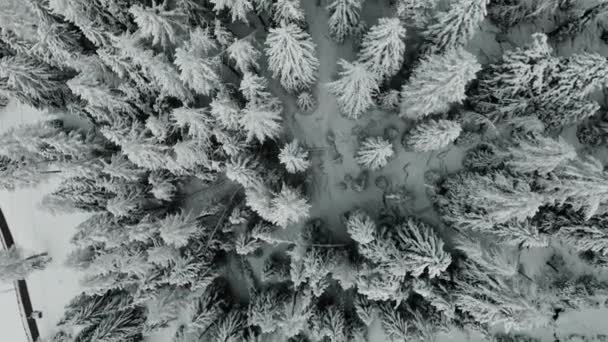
[244, 55]
[33, 82]
[419, 12]
[536, 153]
[176, 229]
[383, 48]
[291, 57]
[355, 89]
[531, 81]
[163, 26]
[288, 207]
[409, 248]
[286, 12]
[344, 18]
[15, 266]
[294, 157]
[433, 135]
[262, 121]
[478, 201]
[361, 227]
[225, 111]
[374, 153]
[238, 8]
[437, 82]
[580, 184]
[199, 68]
[306, 102]
[455, 27]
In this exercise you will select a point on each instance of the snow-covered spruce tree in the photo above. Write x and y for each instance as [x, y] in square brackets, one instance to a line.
[523, 234]
[361, 227]
[226, 111]
[344, 18]
[535, 153]
[245, 171]
[291, 57]
[411, 247]
[238, 8]
[33, 82]
[288, 12]
[505, 300]
[580, 183]
[455, 27]
[32, 152]
[118, 320]
[163, 26]
[437, 82]
[288, 207]
[244, 54]
[155, 66]
[355, 89]
[374, 153]
[197, 62]
[383, 47]
[15, 266]
[432, 135]
[294, 157]
[531, 81]
[419, 12]
[306, 101]
[481, 201]
[262, 121]
[506, 89]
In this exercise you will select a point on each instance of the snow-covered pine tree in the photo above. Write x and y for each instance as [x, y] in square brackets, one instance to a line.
[432, 135]
[438, 82]
[505, 300]
[361, 227]
[176, 229]
[419, 12]
[455, 27]
[566, 101]
[15, 266]
[535, 153]
[226, 111]
[291, 57]
[383, 47]
[16, 174]
[245, 171]
[580, 183]
[294, 157]
[238, 8]
[288, 207]
[164, 27]
[306, 101]
[288, 12]
[198, 64]
[262, 121]
[343, 18]
[33, 82]
[355, 89]
[411, 247]
[374, 153]
[480, 201]
[244, 54]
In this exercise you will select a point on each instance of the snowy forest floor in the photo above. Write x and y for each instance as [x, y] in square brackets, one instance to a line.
[333, 166]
